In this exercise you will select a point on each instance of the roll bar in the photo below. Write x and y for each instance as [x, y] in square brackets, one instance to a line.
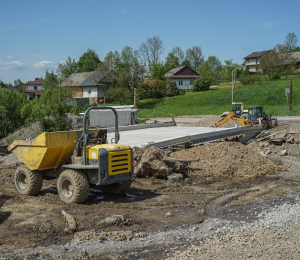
[85, 136]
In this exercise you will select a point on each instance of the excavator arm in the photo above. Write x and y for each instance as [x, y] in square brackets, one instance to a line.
[231, 116]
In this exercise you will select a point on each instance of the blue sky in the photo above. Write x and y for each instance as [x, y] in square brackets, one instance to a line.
[37, 35]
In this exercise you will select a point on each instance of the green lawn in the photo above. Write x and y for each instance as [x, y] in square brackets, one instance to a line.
[270, 94]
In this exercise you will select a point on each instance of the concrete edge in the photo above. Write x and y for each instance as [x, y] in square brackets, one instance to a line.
[136, 127]
[247, 131]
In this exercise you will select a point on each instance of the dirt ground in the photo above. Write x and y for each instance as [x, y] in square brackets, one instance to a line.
[34, 227]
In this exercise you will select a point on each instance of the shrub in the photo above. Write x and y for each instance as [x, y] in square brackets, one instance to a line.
[275, 76]
[250, 79]
[202, 84]
[157, 89]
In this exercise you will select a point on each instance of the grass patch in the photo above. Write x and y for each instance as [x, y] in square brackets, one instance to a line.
[270, 94]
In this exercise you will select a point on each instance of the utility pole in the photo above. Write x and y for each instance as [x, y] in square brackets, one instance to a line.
[59, 91]
[232, 87]
[291, 88]
[134, 97]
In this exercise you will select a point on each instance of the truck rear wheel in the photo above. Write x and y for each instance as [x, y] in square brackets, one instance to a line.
[73, 186]
[118, 188]
[28, 182]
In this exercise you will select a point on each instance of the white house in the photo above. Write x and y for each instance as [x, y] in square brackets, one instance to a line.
[252, 60]
[91, 85]
[184, 76]
[34, 89]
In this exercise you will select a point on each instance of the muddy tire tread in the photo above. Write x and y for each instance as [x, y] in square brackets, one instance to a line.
[35, 180]
[81, 187]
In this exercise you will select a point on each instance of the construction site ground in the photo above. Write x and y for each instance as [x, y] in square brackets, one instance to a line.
[211, 211]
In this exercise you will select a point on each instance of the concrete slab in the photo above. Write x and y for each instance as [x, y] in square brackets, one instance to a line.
[142, 136]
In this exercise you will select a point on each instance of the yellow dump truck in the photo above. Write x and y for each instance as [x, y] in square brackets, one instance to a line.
[79, 159]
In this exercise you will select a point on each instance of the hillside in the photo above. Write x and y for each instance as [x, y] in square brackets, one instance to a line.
[270, 94]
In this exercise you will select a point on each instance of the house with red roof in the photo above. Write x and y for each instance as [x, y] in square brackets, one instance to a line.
[34, 89]
[184, 76]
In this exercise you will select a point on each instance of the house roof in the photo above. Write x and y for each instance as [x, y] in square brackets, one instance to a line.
[296, 55]
[37, 81]
[182, 72]
[256, 54]
[85, 79]
[75, 79]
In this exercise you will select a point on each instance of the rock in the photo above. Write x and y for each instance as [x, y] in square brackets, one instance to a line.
[113, 220]
[283, 152]
[201, 220]
[262, 153]
[208, 180]
[175, 177]
[267, 152]
[168, 214]
[201, 212]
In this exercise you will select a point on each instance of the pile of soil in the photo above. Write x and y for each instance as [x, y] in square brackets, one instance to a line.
[209, 121]
[9, 162]
[226, 160]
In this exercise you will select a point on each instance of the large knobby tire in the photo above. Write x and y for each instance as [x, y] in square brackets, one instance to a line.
[118, 188]
[28, 182]
[73, 186]
[245, 115]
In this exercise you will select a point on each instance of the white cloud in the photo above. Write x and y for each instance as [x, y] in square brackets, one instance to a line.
[44, 64]
[9, 57]
[266, 25]
[13, 65]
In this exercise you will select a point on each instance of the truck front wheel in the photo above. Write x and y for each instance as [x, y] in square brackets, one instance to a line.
[73, 186]
[28, 182]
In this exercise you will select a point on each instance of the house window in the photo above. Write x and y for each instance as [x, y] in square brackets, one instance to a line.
[89, 91]
[247, 61]
[35, 87]
[180, 82]
[257, 60]
[192, 81]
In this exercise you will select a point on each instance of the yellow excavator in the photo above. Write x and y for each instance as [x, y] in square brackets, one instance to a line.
[256, 116]
[238, 109]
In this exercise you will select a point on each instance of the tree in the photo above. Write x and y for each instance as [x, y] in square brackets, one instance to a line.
[291, 40]
[88, 61]
[66, 68]
[10, 115]
[158, 71]
[278, 60]
[150, 51]
[171, 62]
[186, 63]
[195, 56]
[228, 68]
[50, 80]
[178, 52]
[214, 64]
[21, 86]
[121, 94]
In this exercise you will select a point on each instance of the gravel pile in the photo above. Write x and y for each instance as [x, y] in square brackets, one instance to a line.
[274, 235]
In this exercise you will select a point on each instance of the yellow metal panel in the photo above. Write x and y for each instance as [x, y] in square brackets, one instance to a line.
[114, 163]
[46, 151]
